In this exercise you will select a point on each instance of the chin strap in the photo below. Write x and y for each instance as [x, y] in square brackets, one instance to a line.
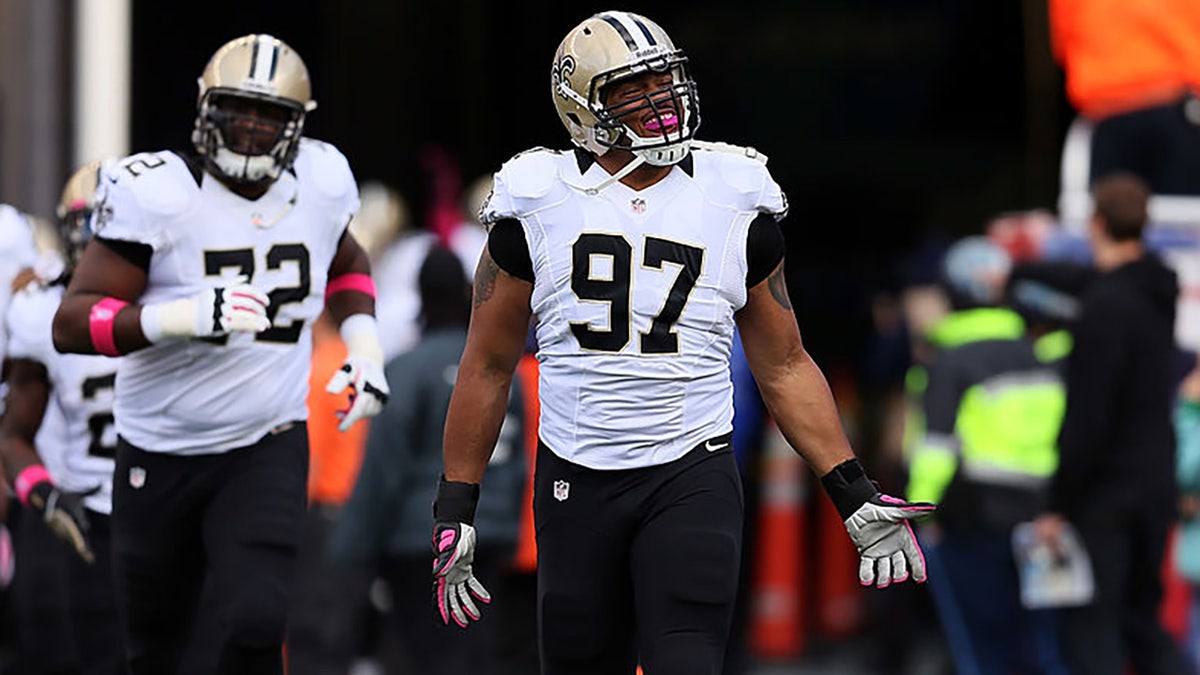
[625, 171]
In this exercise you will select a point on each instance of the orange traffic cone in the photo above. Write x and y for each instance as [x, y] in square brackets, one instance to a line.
[777, 614]
[838, 610]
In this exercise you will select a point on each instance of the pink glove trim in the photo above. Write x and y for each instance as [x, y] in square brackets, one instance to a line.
[31, 476]
[351, 282]
[102, 323]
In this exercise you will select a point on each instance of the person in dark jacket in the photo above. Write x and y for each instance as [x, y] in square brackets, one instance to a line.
[386, 520]
[1116, 478]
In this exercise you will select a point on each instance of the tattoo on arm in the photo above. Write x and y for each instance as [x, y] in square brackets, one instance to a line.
[779, 289]
[485, 279]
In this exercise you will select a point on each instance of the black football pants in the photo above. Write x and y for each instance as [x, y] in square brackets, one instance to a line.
[235, 517]
[637, 566]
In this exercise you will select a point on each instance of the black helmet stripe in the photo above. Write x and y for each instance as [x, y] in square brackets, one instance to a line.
[645, 30]
[264, 58]
[621, 30]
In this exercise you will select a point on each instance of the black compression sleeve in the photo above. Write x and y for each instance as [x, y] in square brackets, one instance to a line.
[507, 245]
[764, 249]
[134, 252]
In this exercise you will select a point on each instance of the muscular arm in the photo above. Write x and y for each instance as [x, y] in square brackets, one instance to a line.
[28, 394]
[495, 342]
[792, 386]
[349, 259]
[101, 273]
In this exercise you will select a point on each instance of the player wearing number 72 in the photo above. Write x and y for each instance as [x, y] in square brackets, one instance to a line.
[636, 254]
[206, 272]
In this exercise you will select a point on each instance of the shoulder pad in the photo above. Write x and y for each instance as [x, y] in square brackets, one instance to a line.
[532, 173]
[718, 146]
[159, 182]
[740, 181]
[324, 167]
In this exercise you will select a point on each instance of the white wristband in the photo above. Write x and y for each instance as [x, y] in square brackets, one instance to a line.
[361, 335]
[164, 320]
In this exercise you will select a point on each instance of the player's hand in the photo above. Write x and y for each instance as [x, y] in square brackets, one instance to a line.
[888, 548]
[878, 525]
[235, 308]
[455, 588]
[368, 389]
[64, 514]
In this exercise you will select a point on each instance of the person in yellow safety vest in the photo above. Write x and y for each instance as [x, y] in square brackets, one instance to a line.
[991, 414]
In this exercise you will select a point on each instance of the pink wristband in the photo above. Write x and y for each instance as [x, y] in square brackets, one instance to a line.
[101, 322]
[32, 475]
[351, 282]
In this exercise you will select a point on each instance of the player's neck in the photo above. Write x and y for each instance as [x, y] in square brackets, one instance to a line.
[251, 192]
[640, 178]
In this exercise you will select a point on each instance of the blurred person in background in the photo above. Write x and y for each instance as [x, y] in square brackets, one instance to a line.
[206, 271]
[991, 414]
[1187, 548]
[635, 255]
[18, 255]
[328, 616]
[1115, 480]
[397, 258]
[1047, 296]
[1133, 69]
[387, 518]
[57, 441]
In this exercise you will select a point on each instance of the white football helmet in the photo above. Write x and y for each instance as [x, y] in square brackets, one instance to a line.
[260, 71]
[612, 46]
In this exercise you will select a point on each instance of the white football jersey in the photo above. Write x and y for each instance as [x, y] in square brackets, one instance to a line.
[205, 396]
[634, 295]
[17, 251]
[77, 440]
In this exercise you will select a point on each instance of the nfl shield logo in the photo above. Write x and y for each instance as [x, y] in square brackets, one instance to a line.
[137, 477]
[562, 490]
[638, 205]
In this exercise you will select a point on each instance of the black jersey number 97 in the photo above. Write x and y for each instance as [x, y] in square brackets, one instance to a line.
[242, 260]
[612, 286]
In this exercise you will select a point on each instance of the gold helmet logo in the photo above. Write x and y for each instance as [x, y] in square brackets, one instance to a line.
[262, 72]
[607, 48]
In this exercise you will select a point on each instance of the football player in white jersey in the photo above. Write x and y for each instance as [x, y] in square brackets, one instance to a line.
[636, 255]
[206, 272]
[57, 441]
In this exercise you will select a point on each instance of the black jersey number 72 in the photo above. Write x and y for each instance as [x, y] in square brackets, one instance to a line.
[243, 260]
[613, 287]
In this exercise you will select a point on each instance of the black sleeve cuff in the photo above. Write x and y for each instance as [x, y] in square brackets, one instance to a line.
[507, 246]
[136, 253]
[455, 501]
[848, 487]
[764, 249]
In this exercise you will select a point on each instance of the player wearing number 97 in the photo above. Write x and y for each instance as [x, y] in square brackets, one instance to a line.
[206, 272]
[57, 442]
[636, 254]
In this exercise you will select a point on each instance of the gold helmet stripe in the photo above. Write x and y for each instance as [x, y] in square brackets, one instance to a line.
[264, 58]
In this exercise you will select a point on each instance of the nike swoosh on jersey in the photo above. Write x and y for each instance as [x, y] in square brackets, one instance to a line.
[713, 447]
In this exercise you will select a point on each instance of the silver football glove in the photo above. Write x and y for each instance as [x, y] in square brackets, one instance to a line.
[455, 588]
[878, 525]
